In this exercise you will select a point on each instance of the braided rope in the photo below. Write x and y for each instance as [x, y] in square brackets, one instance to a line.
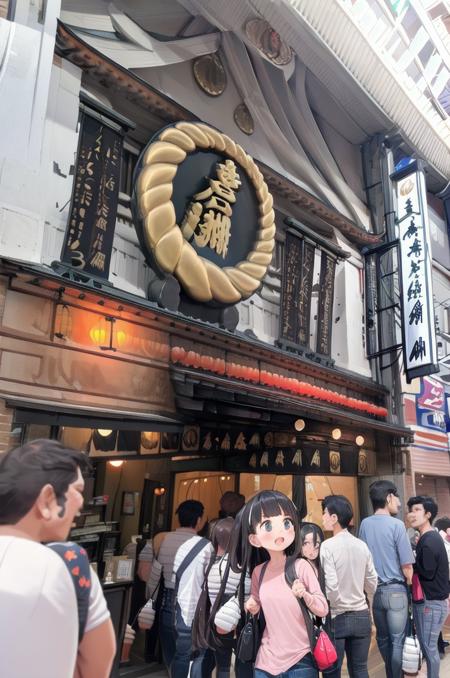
[203, 280]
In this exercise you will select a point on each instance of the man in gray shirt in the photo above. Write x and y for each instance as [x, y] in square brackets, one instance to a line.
[388, 542]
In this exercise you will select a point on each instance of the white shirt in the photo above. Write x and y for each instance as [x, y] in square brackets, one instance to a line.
[98, 610]
[38, 612]
[349, 572]
[190, 586]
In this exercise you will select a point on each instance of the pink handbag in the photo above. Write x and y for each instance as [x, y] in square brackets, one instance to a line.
[416, 589]
[324, 651]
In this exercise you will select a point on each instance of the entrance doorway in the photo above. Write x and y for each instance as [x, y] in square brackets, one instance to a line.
[204, 486]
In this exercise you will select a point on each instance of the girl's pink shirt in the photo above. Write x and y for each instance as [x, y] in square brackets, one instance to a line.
[285, 639]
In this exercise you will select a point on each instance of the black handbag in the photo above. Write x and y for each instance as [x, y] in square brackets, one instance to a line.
[249, 638]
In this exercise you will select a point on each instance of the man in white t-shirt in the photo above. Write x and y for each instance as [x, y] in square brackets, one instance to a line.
[41, 487]
[38, 612]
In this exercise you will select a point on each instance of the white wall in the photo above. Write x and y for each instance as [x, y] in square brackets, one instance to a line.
[26, 55]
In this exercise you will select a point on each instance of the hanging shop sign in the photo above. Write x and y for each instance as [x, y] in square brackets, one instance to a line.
[419, 339]
[203, 213]
[90, 232]
[325, 310]
[295, 310]
[254, 451]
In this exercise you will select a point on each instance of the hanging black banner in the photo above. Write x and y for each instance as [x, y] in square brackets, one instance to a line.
[296, 292]
[325, 310]
[90, 233]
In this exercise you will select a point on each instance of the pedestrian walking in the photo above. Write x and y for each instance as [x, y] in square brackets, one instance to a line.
[432, 569]
[181, 575]
[220, 585]
[388, 542]
[349, 576]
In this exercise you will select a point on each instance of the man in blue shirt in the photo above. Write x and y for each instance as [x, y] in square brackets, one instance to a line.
[393, 558]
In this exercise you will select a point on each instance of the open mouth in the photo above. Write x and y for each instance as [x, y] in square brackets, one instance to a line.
[279, 541]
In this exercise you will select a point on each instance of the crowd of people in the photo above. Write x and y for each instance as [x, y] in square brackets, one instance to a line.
[346, 582]
[257, 582]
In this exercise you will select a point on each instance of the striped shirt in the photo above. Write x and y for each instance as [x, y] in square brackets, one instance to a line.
[166, 557]
[215, 578]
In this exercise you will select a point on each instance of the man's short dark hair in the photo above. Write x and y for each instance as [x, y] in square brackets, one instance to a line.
[189, 512]
[25, 470]
[442, 524]
[339, 505]
[428, 504]
[230, 504]
[379, 492]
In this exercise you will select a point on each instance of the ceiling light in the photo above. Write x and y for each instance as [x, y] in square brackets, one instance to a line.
[116, 463]
[299, 424]
[104, 432]
[336, 433]
[359, 440]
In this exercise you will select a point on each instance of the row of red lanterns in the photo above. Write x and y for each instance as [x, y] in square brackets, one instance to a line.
[300, 388]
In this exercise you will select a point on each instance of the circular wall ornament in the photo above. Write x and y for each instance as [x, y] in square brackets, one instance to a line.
[169, 243]
[210, 74]
[243, 119]
[268, 41]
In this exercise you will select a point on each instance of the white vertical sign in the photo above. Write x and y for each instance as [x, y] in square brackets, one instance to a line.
[418, 326]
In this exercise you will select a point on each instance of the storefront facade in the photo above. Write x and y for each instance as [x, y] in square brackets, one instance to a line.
[190, 310]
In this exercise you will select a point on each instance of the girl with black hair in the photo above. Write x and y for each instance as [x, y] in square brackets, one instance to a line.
[220, 585]
[264, 543]
[311, 537]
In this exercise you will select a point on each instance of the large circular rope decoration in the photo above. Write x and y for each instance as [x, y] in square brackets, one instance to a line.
[202, 279]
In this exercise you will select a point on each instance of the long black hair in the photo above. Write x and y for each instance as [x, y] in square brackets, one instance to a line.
[318, 538]
[268, 503]
[203, 635]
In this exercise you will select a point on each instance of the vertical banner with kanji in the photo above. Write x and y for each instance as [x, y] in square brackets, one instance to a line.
[418, 326]
[90, 232]
[325, 308]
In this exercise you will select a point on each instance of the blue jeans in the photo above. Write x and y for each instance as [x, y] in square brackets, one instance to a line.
[305, 668]
[429, 618]
[351, 634]
[390, 614]
[166, 628]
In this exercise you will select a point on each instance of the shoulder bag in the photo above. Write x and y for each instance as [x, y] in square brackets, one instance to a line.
[250, 636]
[412, 655]
[322, 649]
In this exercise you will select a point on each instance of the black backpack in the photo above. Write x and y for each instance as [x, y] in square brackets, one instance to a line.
[204, 633]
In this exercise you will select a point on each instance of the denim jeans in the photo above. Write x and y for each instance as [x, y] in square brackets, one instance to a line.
[305, 668]
[179, 668]
[351, 634]
[390, 614]
[429, 618]
[166, 628]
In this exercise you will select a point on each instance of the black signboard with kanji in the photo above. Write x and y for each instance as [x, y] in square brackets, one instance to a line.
[297, 289]
[90, 232]
[325, 310]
